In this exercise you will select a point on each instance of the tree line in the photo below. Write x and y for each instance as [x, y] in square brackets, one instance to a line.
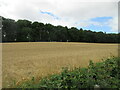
[27, 31]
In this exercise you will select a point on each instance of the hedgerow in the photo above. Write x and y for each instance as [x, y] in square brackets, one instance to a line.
[105, 74]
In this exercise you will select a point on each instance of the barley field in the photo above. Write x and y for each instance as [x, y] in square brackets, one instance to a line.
[24, 60]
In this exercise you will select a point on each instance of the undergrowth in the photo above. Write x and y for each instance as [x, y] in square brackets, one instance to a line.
[105, 74]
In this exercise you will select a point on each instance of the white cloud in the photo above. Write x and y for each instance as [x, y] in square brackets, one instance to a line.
[72, 12]
[113, 23]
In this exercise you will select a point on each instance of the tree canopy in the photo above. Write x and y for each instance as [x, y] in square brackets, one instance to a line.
[27, 31]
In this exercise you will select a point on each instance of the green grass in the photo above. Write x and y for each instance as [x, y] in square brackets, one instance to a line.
[105, 74]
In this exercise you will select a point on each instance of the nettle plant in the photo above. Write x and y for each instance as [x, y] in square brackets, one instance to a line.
[103, 74]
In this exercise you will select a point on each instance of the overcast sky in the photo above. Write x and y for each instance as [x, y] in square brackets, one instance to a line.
[95, 15]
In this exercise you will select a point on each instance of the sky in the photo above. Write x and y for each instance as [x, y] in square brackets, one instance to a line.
[95, 15]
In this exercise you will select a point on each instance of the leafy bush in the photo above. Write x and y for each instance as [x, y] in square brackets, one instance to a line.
[104, 74]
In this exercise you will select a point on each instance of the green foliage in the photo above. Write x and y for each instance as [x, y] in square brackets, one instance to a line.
[24, 30]
[105, 74]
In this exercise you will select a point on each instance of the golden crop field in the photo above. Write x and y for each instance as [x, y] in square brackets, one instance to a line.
[25, 60]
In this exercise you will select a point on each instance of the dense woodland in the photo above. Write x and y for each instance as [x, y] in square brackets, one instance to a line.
[27, 31]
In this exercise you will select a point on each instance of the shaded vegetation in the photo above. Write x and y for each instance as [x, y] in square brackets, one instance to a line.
[27, 31]
[106, 74]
